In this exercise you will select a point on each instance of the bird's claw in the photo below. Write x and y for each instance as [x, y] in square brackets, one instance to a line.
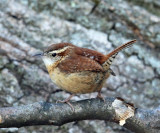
[100, 96]
[66, 101]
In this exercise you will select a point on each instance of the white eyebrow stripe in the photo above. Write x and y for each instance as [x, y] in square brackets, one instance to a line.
[60, 50]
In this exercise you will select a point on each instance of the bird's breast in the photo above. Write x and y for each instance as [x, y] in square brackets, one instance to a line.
[79, 82]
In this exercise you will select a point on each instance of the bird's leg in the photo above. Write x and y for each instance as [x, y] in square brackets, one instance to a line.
[100, 96]
[67, 101]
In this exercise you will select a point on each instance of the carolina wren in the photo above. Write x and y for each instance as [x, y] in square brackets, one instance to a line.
[79, 70]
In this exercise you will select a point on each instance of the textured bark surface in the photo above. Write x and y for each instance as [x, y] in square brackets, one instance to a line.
[26, 27]
[43, 113]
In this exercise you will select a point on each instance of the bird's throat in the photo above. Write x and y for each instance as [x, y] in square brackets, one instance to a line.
[50, 64]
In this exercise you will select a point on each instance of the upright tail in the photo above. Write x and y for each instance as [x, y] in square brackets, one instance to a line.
[111, 56]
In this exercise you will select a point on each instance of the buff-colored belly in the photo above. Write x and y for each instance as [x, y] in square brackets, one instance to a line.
[82, 82]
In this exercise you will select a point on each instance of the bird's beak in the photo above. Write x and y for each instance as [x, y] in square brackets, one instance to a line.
[38, 54]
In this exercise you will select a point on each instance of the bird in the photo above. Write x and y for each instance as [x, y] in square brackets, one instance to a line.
[79, 70]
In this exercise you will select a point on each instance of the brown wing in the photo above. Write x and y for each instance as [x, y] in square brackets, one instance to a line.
[92, 54]
[78, 64]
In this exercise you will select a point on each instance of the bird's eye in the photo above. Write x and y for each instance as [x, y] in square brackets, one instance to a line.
[54, 54]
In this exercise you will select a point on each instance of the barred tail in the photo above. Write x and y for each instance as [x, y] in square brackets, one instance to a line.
[111, 56]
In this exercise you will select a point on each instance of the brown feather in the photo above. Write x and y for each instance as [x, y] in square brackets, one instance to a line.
[126, 45]
[111, 56]
[57, 46]
[92, 54]
[78, 64]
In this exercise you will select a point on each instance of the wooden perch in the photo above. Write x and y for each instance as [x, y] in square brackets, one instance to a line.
[113, 109]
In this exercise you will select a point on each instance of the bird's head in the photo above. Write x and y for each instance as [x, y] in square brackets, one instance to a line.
[54, 54]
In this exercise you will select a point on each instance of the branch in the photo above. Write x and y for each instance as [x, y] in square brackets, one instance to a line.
[43, 113]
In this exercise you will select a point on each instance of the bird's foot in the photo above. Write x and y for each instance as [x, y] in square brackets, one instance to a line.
[100, 96]
[67, 101]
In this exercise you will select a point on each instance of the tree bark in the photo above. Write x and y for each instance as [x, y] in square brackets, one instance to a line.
[44, 113]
